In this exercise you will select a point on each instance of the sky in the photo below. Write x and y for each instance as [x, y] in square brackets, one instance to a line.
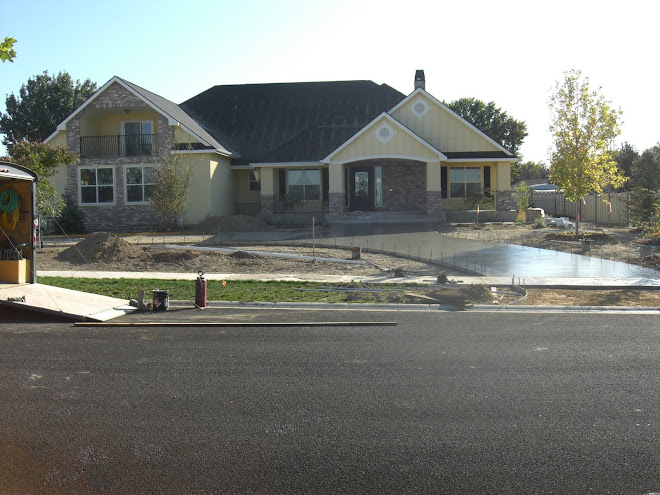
[510, 52]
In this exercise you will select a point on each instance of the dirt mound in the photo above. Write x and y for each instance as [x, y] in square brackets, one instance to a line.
[173, 256]
[101, 247]
[234, 223]
[568, 236]
[242, 255]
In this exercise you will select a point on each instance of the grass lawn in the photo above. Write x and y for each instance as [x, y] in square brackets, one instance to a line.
[183, 290]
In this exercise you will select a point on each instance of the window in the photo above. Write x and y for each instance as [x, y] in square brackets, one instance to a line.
[378, 170]
[97, 185]
[255, 180]
[305, 184]
[464, 181]
[138, 138]
[139, 184]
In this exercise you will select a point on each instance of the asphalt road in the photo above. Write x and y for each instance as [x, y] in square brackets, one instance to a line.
[441, 403]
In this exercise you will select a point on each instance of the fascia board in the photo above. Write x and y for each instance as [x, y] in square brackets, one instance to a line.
[463, 160]
[286, 164]
[201, 152]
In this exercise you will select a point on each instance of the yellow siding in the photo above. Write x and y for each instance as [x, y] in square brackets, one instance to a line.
[181, 136]
[111, 123]
[59, 139]
[441, 129]
[433, 177]
[210, 189]
[503, 181]
[60, 180]
[242, 193]
[368, 146]
[222, 187]
[336, 177]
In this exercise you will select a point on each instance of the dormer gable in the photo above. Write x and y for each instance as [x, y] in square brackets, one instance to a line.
[443, 128]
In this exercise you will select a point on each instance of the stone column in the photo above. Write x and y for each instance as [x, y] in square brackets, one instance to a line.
[267, 190]
[433, 189]
[336, 191]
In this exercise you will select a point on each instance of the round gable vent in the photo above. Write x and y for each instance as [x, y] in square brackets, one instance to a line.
[419, 107]
[384, 132]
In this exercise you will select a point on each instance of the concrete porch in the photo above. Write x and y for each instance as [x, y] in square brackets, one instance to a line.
[371, 217]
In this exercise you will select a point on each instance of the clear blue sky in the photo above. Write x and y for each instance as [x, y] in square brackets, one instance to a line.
[510, 52]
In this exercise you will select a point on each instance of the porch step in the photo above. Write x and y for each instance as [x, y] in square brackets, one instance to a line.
[388, 217]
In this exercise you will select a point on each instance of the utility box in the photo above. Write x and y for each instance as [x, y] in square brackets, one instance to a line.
[18, 224]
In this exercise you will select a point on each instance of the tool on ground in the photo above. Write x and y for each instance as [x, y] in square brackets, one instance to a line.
[200, 290]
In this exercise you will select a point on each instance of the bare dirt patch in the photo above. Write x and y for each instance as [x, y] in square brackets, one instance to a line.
[106, 252]
[577, 297]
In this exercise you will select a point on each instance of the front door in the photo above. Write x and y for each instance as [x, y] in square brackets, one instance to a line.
[361, 183]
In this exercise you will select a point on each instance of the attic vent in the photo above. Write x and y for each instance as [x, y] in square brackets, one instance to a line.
[419, 108]
[384, 133]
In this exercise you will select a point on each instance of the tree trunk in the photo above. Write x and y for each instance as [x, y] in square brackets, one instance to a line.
[577, 218]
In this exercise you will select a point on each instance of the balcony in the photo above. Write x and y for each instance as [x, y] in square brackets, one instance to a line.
[118, 145]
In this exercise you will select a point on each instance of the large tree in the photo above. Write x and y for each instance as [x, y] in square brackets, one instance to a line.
[44, 160]
[492, 121]
[624, 157]
[529, 170]
[645, 170]
[40, 106]
[7, 52]
[583, 124]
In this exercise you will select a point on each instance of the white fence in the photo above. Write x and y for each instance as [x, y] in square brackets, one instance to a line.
[601, 209]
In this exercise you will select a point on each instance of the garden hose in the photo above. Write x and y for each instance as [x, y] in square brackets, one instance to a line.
[9, 204]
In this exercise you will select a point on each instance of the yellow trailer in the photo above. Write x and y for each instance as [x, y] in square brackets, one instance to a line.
[18, 224]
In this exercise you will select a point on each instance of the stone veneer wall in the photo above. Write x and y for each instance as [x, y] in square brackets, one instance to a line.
[434, 204]
[504, 200]
[267, 204]
[404, 185]
[336, 205]
[118, 216]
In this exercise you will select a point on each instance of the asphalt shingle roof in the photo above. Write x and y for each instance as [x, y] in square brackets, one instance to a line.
[289, 122]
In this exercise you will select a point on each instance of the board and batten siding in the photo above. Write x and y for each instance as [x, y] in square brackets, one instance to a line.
[367, 146]
[441, 128]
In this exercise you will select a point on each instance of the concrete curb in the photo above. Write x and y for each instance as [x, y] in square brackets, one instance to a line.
[420, 307]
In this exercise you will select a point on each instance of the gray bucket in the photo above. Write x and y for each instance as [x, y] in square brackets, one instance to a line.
[160, 299]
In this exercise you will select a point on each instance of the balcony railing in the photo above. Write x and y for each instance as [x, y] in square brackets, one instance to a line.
[118, 145]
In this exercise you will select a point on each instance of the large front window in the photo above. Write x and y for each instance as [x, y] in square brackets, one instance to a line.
[139, 184]
[97, 185]
[464, 181]
[305, 184]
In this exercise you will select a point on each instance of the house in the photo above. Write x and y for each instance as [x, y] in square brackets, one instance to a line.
[327, 149]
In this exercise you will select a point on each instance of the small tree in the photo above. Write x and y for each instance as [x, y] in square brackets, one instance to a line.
[44, 159]
[582, 126]
[72, 218]
[172, 181]
[522, 201]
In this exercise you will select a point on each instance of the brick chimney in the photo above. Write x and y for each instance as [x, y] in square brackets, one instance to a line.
[420, 80]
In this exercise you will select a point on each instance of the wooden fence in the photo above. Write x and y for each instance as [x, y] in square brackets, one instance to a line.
[601, 209]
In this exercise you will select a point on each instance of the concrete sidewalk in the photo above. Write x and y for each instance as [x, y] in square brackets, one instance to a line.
[529, 282]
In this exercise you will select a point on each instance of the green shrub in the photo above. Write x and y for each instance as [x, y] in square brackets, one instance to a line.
[72, 218]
